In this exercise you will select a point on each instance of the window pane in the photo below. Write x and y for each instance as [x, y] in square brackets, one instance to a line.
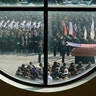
[71, 45]
[21, 45]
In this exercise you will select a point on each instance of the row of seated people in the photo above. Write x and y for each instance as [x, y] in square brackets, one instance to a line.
[30, 71]
[57, 72]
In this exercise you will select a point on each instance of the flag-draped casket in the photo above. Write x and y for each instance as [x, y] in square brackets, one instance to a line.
[84, 54]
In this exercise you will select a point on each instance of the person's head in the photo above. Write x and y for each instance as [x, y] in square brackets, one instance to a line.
[65, 71]
[58, 64]
[72, 64]
[89, 64]
[23, 65]
[30, 63]
[80, 63]
[55, 64]
[40, 64]
[48, 73]
[64, 64]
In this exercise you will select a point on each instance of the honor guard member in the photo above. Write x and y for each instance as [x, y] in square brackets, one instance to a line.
[30, 43]
[58, 42]
[12, 41]
[63, 50]
[4, 42]
[68, 48]
[55, 45]
[18, 42]
[24, 42]
[35, 41]
[40, 51]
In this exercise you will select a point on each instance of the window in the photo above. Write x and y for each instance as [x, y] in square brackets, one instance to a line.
[47, 46]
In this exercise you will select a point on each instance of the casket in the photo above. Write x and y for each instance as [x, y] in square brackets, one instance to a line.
[84, 54]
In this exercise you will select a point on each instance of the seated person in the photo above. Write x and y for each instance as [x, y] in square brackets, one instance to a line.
[88, 66]
[62, 67]
[65, 74]
[19, 72]
[72, 69]
[50, 79]
[80, 67]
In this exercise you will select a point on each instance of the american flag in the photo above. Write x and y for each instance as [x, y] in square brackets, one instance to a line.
[85, 33]
[88, 45]
[92, 34]
[71, 32]
[81, 45]
[64, 28]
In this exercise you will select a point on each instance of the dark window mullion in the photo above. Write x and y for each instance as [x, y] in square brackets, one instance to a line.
[45, 41]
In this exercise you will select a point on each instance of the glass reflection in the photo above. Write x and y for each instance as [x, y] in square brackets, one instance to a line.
[29, 3]
[72, 3]
[21, 44]
[71, 45]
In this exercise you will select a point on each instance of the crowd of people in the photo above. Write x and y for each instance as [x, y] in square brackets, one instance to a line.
[58, 40]
[58, 44]
[78, 19]
[30, 71]
[57, 71]
[56, 36]
[21, 32]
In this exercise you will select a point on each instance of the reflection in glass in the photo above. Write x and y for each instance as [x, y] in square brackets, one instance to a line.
[71, 45]
[28, 3]
[21, 44]
[72, 3]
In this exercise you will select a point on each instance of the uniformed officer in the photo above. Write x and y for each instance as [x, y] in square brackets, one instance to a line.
[63, 50]
[55, 46]
[30, 43]
[18, 42]
[35, 41]
[40, 51]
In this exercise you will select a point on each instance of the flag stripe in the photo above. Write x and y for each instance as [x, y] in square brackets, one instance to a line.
[81, 45]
